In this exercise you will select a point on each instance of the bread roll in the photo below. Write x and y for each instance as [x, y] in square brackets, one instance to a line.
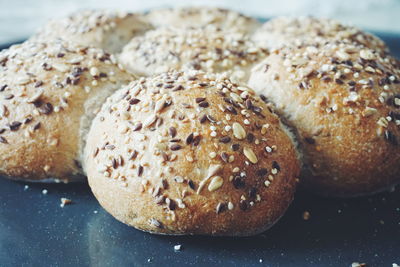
[287, 30]
[344, 101]
[189, 153]
[199, 17]
[109, 30]
[207, 49]
[49, 93]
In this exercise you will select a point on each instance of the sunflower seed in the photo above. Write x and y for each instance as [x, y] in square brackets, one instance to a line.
[238, 131]
[249, 153]
[215, 183]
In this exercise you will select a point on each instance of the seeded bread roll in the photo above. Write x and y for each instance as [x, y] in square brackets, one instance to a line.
[49, 93]
[109, 30]
[207, 49]
[344, 101]
[198, 17]
[186, 153]
[286, 30]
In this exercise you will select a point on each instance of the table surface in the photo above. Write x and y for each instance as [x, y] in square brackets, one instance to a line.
[36, 231]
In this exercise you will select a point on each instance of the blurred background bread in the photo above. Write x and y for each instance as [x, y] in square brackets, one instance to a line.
[105, 29]
[201, 17]
[49, 93]
[20, 19]
[191, 153]
[209, 49]
[281, 31]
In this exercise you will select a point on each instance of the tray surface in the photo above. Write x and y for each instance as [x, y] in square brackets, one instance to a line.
[36, 231]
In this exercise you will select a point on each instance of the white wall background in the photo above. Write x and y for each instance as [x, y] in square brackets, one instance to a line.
[20, 18]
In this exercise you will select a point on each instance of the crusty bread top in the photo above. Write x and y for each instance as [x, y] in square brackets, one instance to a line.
[208, 49]
[106, 29]
[198, 17]
[190, 153]
[344, 100]
[288, 30]
[48, 93]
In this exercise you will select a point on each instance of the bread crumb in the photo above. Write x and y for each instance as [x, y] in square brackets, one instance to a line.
[65, 201]
[177, 247]
[306, 215]
[26, 187]
[357, 264]
[44, 191]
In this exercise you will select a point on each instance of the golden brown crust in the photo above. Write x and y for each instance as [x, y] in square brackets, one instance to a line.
[105, 29]
[208, 49]
[186, 153]
[47, 92]
[283, 31]
[200, 17]
[344, 101]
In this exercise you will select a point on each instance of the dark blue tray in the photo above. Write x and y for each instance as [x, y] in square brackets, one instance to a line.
[36, 231]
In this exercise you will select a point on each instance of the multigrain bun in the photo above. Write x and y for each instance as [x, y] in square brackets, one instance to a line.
[109, 30]
[190, 153]
[199, 17]
[208, 49]
[49, 93]
[287, 30]
[344, 101]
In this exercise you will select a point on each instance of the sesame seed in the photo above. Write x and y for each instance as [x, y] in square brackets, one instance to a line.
[109, 147]
[367, 54]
